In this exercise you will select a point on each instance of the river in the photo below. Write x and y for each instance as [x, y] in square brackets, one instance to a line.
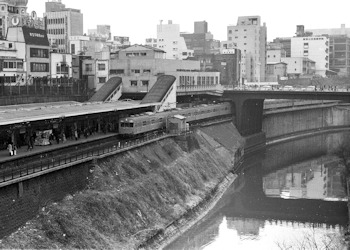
[290, 196]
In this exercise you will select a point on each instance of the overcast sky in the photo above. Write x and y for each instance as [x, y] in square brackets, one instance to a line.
[138, 19]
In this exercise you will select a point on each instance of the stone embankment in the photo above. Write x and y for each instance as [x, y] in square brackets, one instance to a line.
[142, 198]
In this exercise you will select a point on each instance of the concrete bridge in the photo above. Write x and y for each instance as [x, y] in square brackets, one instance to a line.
[249, 104]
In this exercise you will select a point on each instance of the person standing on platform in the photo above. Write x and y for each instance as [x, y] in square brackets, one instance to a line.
[10, 148]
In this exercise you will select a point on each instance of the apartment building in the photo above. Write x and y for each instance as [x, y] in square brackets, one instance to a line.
[250, 37]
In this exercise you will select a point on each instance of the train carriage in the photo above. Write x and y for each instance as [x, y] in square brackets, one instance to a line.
[148, 122]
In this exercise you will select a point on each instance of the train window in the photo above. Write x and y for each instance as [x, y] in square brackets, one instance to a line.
[189, 114]
[144, 123]
[152, 121]
[131, 125]
[160, 120]
[122, 124]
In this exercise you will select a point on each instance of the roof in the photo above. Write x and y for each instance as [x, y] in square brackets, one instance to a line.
[106, 90]
[159, 89]
[42, 112]
[142, 47]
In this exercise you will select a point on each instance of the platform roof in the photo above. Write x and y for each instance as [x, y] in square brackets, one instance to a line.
[29, 113]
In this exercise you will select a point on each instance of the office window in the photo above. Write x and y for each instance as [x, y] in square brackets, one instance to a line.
[133, 83]
[101, 66]
[144, 83]
[41, 53]
[39, 67]
[136, 71]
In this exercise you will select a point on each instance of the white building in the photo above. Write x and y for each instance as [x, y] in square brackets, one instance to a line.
[169, 40]
[250, 38]
[315, 48]
[78, 44]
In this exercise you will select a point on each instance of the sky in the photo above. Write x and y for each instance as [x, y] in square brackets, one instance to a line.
[138, 19]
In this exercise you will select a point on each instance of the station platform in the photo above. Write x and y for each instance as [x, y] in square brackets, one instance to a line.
[23, 152]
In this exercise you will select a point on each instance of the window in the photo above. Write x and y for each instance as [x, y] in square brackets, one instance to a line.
[136, 71]
[146, 71]
[133, 83]
[102, 79]
[88, 67]
[41, 53]
[144, 82]
[101, 66]
[39, 67]
[72, 48]
[230, 31]
[144, 123]
[19, 65]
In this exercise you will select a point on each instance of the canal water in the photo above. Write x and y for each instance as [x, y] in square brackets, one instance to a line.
[291, 196]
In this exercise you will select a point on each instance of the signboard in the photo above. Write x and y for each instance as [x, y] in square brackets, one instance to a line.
[35, 36]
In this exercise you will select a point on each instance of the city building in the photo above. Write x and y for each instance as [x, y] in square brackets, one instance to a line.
[250, 37]
[170, 41]
[96, 72]
[299, 67]
[62, 23]
[315, 48]
[285, 43]
[275, 70]
[201, 41]
[32, 46]
[275, 52]
[102, 31]
[140, 65]
[227, 64]
[339, 48]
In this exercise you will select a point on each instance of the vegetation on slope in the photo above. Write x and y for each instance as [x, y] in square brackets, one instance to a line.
[130, 196]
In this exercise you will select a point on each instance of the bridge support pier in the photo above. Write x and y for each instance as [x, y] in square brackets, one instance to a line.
[249, 115]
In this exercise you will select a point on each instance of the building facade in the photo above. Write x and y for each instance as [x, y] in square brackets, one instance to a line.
[275, 70]
[339, 48]
[139, 66]
[201, 41]
[61, 23]
[315, 48]
[250, 37]
[299, 67]
[169, 40]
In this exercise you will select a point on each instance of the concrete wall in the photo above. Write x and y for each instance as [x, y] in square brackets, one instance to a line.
[16, 209]
[277, 124]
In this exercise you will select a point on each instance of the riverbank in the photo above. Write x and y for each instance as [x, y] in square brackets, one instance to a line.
[137, 194]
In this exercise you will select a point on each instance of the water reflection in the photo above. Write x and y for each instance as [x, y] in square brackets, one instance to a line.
[280, 202]
[314, 179]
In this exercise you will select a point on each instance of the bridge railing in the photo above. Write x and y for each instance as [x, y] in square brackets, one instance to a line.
[287, 88]
[194, 88]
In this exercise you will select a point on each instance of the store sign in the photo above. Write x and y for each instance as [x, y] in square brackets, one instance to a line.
[33, 36]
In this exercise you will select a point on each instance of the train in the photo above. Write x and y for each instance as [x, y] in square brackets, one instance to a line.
[135, 125]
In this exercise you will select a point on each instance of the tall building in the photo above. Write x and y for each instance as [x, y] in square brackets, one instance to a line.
[62, 23]
[250, 38]
[169, 40]
[315, 48]
[339, 48]
[201, 41]
[200, 27]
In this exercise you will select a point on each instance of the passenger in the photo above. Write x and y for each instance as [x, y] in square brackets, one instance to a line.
[10, 148]
[76, 135]
[14, 149]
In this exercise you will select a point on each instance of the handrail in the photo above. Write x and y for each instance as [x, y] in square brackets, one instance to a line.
[18, 168]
